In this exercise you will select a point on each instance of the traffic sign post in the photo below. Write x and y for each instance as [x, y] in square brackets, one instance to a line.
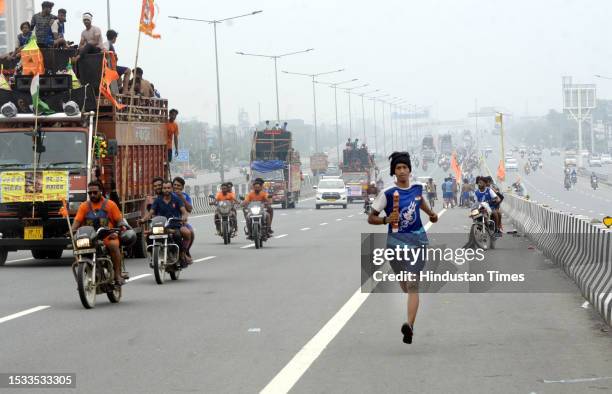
[183, 156]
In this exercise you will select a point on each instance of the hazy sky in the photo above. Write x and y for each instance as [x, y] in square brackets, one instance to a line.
[443, 53]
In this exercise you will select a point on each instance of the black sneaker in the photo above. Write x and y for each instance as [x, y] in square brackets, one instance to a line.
[407, 331]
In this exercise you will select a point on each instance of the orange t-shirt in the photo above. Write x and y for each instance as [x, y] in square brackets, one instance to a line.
[112, 211]
[252, 196]
[225, 197]
[172, 129]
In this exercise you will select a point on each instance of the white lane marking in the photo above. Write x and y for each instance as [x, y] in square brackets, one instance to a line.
[293, 371]
[339, 220]
[305, 229]
[201, 216]
[580, 380]
[23, 313]
[283, 214]
[323, 224]
[350, 216]
[204, 259]
[17, 260]
[247, 246]
[137, 277]
[281, 236]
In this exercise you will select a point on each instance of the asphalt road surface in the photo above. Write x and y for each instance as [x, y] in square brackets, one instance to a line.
[291, 316]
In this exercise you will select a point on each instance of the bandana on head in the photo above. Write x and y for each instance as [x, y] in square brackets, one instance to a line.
[87, 16]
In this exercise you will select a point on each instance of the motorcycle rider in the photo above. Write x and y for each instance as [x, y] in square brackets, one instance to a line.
[574, 176]
[225, 194]
[593, 180]
[171, 206]
[487, 193]
[371, 191]
[410, 230]
[258, 194]
[178, 184]
[100, 212]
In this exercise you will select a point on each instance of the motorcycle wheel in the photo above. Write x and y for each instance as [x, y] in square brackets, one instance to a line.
[158, 270]
[480, 237]
[85, 287]
[226, 233]
[256, 237]
[114, 295]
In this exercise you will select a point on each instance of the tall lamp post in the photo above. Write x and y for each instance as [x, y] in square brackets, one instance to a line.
[348, 91]
[314, 98]
[363, 111]
[373, 100]
[215, 22]
[335, 87]
[275, 58]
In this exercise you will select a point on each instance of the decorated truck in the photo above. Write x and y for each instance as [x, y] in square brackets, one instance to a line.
[358, 171]
[318, 163]
[275, 161]
[48, 156]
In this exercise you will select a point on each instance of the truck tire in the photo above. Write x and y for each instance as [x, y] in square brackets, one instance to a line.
[139, 250]
[3, 256]
[39, 254]
[55, 254]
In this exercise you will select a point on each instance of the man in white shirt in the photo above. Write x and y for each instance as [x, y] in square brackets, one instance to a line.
[91, 37]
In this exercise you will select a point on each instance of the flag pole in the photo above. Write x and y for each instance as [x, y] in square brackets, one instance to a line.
[35, 134]
[100, 93]
[134, 77]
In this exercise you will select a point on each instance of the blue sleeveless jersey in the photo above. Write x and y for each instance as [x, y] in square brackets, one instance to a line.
[410, 229]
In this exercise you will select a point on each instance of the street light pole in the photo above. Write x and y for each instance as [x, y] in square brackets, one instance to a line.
[363, 112]
[214, 23]
[314, 98]
[348, 91]
[275, 58]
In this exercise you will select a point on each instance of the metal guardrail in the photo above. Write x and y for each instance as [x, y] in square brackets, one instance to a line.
[582, 249]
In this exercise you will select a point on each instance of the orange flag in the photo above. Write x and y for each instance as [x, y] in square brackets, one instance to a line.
[501, 171]
[32, 58]
[64, 209]
[108, 76]
[147, 18]
[1, 7]
[455, 167]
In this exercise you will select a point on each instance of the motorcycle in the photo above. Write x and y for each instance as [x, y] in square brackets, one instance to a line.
[527, 169]
[424, 165]
[540, 165]
[368, 205]
[482, 232]
[567, 183]
[165, 236]
[224, 210]
[574, 179]
[93, 268]
[594, 183]
[258, 227]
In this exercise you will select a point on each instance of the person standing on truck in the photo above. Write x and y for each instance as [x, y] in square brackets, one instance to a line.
[41, 25]
[258, 194]
[172, 131]
[100, 212]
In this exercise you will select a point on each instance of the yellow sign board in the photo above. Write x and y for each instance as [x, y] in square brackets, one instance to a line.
[27, 186]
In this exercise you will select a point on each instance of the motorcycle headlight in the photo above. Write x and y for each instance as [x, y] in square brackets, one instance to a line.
[82, 243]
[474, 212]
[158, 230]
[256, 210]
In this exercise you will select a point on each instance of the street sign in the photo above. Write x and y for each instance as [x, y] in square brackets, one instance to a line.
[183, 156]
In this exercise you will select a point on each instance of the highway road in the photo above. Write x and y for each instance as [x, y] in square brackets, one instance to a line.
[291, 316]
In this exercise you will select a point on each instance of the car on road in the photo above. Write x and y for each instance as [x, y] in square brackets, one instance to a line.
[331, 191]
[606, 159]
[555, 152]
[595, 161]
[511, 164]
[188, 173]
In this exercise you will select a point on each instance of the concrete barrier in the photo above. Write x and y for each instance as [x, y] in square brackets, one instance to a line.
[582, 249]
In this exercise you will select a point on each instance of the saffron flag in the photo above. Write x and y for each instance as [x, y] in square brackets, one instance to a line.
[32, 58]
[456, 168]
[147, 18]
[38, 106]
[501, 171]
[108, 76]
[64, 209]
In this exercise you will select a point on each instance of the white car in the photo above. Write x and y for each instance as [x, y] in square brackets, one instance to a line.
[511, 164]
[594, 161]
[606, 159]
[331, 191]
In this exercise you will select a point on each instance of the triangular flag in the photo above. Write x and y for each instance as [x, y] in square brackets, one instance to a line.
[501, 171]
[108, 76]
[38, 106]
[32, 58]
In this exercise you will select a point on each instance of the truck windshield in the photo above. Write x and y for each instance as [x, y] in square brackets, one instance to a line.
[276, 175]
[62, 149]
[352, 178]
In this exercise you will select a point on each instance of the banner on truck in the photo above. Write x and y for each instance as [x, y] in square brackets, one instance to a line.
[21, 186]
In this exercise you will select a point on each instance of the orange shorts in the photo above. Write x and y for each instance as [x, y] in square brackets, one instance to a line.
[111, 240]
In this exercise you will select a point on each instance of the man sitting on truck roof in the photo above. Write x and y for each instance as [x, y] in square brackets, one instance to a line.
[100, 212]
[91, 37]
[111, 37]
[58, 29]
[142, 87]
